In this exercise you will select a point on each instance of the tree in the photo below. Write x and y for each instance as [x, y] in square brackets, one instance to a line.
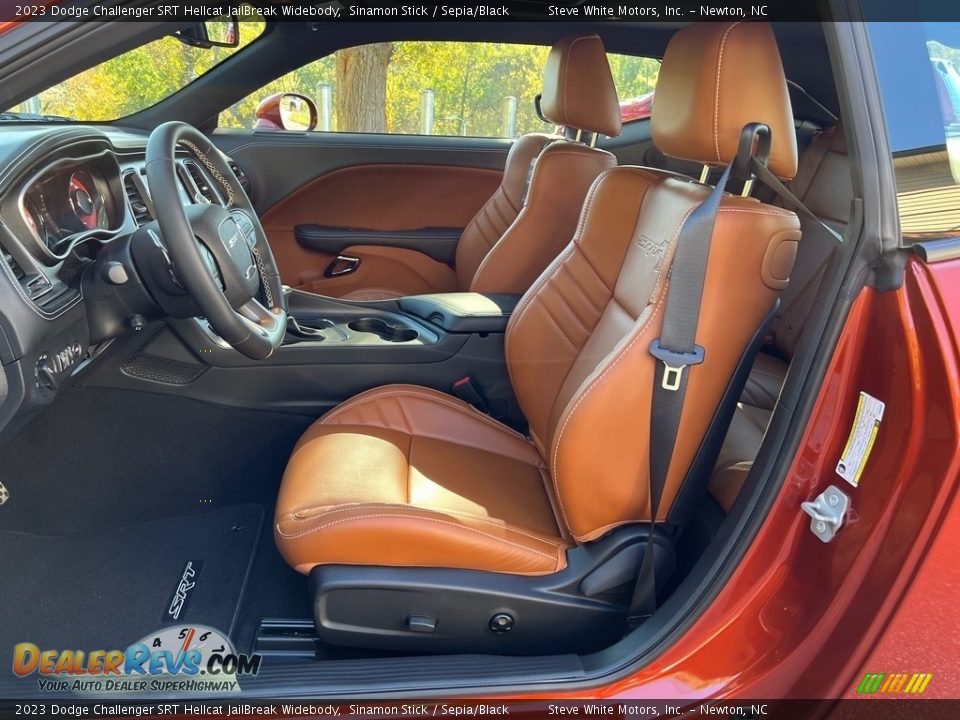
[361, 96]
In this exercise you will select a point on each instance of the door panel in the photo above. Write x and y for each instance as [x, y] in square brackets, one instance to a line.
[365, 182]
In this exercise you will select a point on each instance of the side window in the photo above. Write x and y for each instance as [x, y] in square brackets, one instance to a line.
[918, 66]
[425, 88]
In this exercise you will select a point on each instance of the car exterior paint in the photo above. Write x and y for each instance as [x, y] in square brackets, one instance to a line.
[804, 619]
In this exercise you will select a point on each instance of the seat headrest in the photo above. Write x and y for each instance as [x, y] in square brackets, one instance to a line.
[578, 89]
[716, 78]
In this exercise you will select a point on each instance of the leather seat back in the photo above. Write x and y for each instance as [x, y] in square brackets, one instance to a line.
[577, 345]
[534, 213]
[825, 186]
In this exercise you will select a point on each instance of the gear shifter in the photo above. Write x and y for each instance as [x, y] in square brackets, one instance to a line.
[305, 332]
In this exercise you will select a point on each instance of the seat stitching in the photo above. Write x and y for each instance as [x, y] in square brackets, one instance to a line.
[497, 244]
[582, 396]
[533, 292]
[551, 271]
[568, 306]
[575, 281]
[785, 214]
[402, 517]
[375, 395]
[716, 95]
[620, 355]
[509, 527]
[556, 324]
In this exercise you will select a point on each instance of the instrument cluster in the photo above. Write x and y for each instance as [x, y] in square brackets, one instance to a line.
[69, 199]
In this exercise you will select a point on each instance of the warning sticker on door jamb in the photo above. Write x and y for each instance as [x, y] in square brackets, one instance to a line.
[866, 424]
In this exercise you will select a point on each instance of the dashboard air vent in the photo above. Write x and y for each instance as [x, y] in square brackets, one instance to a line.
[201, 182]
[138, 203]
[46, 295]
[14, 265]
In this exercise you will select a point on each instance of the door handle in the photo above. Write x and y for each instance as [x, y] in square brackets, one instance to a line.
[342, 265]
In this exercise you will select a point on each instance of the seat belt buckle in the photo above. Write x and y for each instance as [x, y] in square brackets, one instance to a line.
[674, 363]
[467, 389]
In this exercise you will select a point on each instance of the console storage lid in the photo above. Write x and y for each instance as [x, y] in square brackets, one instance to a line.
[463, 312]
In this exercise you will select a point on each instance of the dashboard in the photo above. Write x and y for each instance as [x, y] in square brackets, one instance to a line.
[70, 197]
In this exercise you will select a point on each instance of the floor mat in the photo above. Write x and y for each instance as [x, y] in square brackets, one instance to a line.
[109, 588]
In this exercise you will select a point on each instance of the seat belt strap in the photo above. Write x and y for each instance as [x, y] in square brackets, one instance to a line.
[791, 201]
[675, 350]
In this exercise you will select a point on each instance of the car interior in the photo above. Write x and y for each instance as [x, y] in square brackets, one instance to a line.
[462, 455]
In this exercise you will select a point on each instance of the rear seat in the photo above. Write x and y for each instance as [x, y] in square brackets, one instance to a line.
[823, 184]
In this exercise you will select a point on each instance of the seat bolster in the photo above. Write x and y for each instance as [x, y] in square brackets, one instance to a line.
[428, 413]
[498, 213]
[406, 536]
[562, 177]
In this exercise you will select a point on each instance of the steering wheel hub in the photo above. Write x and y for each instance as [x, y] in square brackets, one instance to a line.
[219, 254]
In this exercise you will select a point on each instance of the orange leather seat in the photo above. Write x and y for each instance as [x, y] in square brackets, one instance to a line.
[534, 212]
[407, 476]
[412, 476]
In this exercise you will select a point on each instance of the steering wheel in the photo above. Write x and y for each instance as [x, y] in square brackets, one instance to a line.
[220, 254]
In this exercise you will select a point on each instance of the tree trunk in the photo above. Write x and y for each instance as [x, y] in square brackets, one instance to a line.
[362, 88]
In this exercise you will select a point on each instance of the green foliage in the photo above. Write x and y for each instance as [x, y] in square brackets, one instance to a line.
[134, 80]
[469, 82]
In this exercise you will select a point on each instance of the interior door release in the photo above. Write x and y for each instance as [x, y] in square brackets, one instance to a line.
[342, 265]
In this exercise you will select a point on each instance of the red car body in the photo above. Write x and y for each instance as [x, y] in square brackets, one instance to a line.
[804, 619]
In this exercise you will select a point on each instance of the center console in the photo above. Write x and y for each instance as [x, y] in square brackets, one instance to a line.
[334, 349]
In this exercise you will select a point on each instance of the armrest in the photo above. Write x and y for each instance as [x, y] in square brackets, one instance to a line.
[465, 312]
[437, 243]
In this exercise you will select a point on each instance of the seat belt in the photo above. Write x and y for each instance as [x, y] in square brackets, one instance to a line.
[676, 348]
[791, 201]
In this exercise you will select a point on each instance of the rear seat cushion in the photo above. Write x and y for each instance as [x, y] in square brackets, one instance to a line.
[739, 449]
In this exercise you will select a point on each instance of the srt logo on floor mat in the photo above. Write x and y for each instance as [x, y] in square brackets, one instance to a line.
[184, 591]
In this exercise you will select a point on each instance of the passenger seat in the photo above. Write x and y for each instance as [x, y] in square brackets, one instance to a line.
[823, 184]
[534, 213]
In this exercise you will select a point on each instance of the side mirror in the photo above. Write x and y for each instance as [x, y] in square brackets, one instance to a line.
[286, 111]
[213, 33]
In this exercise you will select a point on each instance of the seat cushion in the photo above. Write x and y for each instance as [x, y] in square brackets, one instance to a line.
[764, 382]
[739, 450]
[407, 476]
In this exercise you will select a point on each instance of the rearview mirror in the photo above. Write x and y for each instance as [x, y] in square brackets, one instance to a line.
[286, 111]
[213, 33]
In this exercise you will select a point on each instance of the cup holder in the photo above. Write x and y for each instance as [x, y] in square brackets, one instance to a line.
[384, 330]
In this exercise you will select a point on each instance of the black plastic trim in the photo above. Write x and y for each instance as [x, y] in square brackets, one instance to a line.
[580, 608]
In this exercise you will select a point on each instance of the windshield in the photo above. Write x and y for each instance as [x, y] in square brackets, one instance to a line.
[138, 78]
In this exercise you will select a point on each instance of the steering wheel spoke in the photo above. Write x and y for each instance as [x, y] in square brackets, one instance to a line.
[221, 254]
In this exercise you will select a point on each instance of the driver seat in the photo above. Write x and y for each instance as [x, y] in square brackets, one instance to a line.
[419, 519]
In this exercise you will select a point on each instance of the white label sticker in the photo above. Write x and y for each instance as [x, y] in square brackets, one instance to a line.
[866, 423]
